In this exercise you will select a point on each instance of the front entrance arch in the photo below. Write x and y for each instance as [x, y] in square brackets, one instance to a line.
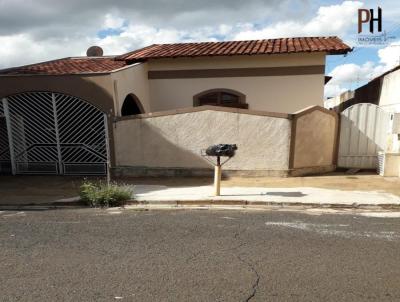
[52, 133]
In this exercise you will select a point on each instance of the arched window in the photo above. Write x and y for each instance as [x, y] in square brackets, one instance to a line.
[221, 97]
[131, 106]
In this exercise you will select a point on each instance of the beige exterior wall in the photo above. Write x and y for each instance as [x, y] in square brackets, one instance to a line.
[269, 93]
[175, 141]
[95, 89]
[390, 92]
[132, 79]
[314, 138]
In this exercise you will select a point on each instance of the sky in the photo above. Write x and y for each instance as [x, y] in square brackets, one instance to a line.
[37, 30]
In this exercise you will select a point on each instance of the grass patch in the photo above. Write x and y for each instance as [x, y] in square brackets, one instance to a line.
[100, 194]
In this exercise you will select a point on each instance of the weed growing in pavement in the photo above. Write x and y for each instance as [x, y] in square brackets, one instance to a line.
[100, 194]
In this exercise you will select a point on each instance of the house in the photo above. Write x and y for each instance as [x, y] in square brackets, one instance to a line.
[61, 116]
[383, 91]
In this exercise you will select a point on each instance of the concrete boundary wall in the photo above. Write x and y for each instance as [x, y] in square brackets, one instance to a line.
[314, 142]
[169, 143]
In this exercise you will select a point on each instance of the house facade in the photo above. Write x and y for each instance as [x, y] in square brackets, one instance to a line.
[278, 83]
[278, 75]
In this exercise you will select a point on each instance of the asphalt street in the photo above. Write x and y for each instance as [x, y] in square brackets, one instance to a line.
[188, 255]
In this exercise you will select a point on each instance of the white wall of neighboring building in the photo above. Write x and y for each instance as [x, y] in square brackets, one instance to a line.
[337, 100]
[390, 93]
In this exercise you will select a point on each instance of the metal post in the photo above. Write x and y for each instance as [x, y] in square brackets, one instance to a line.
[9, 134]
[60, 167]
[217, 177]
[107, 149]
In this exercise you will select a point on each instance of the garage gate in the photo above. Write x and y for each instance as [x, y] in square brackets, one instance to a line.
[363, 133]
[52, 133]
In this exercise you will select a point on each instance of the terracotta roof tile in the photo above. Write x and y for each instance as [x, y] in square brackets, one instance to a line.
[331, 45]
[269, 46]
[284, 45]
[277, 46]
[69, 66]
[256, 47]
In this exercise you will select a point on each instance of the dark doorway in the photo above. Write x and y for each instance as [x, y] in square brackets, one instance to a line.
[131, 106]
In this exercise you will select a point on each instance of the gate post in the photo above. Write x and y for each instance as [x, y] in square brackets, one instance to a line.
[107, 149]
[9, 134]
[60, 167]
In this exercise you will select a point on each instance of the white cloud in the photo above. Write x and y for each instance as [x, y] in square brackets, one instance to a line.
[132, 37]
[135, 36]
[333, 90]
[353, 73]
[330, 20]
[112, 21]
[350, 76]
[23, 49]
[390, 55]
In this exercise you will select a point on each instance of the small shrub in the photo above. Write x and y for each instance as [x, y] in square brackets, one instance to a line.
[99, 194]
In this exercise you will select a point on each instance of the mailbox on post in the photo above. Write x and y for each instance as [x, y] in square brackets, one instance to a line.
[218, 151]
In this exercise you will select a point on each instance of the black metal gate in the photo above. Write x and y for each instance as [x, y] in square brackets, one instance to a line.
[52, 133]
[5, 162]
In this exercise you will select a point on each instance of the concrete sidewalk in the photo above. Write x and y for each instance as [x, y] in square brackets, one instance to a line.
[156, 194]
[333, 190]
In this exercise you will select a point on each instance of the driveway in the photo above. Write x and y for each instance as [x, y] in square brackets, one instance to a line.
[23, 189]
[114, 255]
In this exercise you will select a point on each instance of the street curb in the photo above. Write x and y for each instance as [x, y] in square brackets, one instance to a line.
[266, 204]
[42, 206]
[203, 204]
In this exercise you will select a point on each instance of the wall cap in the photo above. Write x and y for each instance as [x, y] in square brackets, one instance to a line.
[314, 108]
[205, 108]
